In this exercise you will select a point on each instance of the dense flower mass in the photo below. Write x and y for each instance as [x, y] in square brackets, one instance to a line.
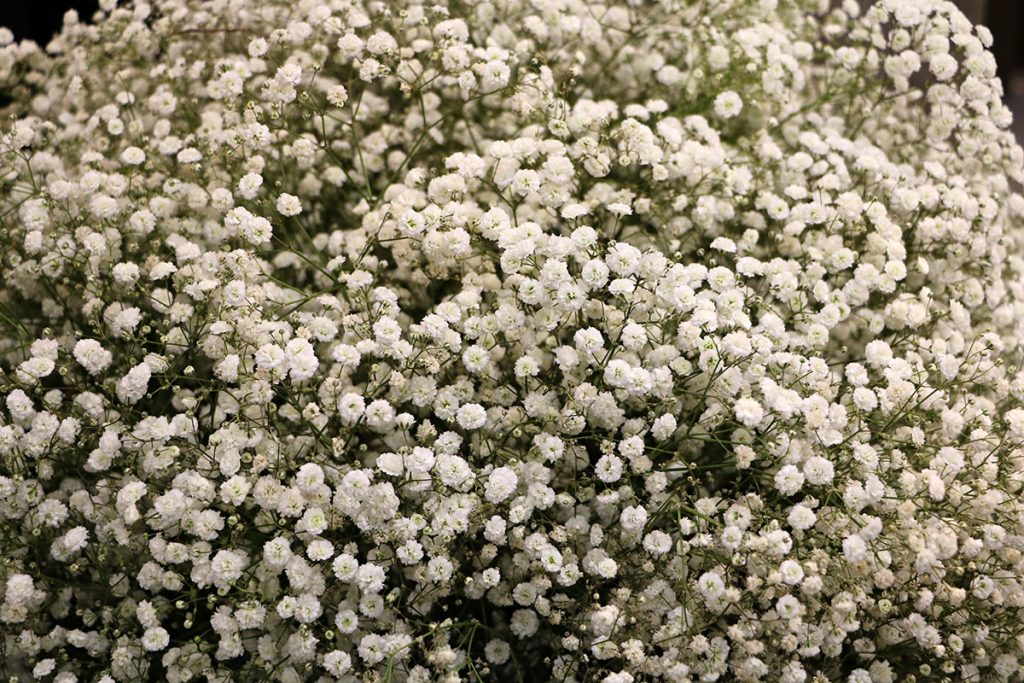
[573, 340]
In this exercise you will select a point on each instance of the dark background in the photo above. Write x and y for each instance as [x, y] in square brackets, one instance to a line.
[38, 20]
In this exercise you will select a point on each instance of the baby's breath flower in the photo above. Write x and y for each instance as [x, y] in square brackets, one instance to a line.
[728, 104]
[385, 341]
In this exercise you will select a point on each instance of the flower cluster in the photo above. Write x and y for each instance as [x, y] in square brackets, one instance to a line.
[576, 340]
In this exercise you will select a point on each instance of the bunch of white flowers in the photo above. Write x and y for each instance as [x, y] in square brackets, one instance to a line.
[575, 340]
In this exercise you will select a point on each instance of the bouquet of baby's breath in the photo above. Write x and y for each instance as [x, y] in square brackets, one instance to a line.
[495, 340]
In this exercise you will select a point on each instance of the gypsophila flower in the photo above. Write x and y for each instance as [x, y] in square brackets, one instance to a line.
[500, 484]
[818, 471]
[289, 205]
[749, 412]
[133, 156]
[155, 639]
[728, 104]
[559, 341]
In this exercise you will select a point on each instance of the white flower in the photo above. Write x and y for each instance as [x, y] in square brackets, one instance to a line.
[300, 358]
[724, 244]
[439, 569]
[289, 205]
[346, 621]
[527, 366]
[310, 477]
[155, 639]
[749, 412]
[345, 567]
[254, 229]
[133, 156]
[321, 319]
[351, 407]
[657, 543]
[91, 355]
[943, 66]
[1015, 421]
[380, 42]
[36, 368]
[227, 566]
[132, 387]
[501, 483]
[75, 539]
[818, 471]
[497, 651]
[126, 273]
[854, 549]
[609, 468]
[19, 589]
[711, 586]
[524, 623]
[44, 668]
[728, 104]
[788, 607]
[472, 416]
[227, 368]
[337, 96]
[337, 662]
[791, 572]
[801, 517]
[123, 320]
[494, 75]
[788, 480]
[633, 518]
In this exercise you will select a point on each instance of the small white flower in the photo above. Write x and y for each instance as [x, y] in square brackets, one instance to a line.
[749, 412]
[711, 586]
[501, 483]
[818, 471]
[132, 387]
[19, 590]
[789, 480]
[728, 105]
[472, 416]
[91, 355]
[337, 95]
[133, 156]
[289, 205]
[854, 549]
[155, 639]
